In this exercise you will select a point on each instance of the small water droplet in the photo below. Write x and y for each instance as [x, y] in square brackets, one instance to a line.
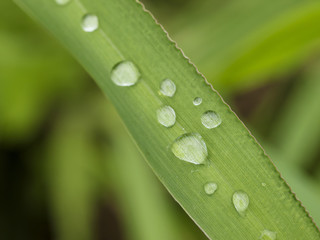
[168, 88]
[125, 74]
[268, 235]
[90, 23]
[211, 119]
[190, 147]
[166, 116]
[210, 188]
[197, 101]
[62, 2]
[240, 201]
[263, 184]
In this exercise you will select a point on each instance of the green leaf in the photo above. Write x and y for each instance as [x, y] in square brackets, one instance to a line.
[145, 218]
[301, 113]
[239, 44]
[285, 43]
[235, 161]
[71, 187]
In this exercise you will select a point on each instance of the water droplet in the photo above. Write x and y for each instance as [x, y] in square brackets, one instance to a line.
[62, 2]
[168, 88]
[166, 116]
[125, 74]
[90, 23]
[268, 235]
[240, 201]
[263, 184]
[210, 188]
[190, 147]
[211, 119]
[197, 101]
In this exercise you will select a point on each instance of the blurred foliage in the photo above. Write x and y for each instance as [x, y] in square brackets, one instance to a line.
[60, 173]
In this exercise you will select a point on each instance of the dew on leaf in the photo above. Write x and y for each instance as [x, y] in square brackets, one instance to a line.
[89, 23]
[268, 235]
[125, 74]
[166, 116]
[62, 2]
[197, 101]
[190, 147]
[240, 201]
[210, 188]
[168, 88]
[210, 119]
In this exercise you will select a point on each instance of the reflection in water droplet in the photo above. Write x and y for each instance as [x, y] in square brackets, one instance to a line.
[240, 201]
[197, 101]
[168, 88]
[210, 188]
[125, 74]
[268, 235]
[90, 23]
[62, 2]
[190, 147]
[211, 119]
[166, 116]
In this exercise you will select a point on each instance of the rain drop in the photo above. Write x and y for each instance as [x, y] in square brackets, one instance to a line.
[210, 188]
[89, 22]
[211, 119]
[263, 184]
[62, 2]
[166, 116]
[125, 74]
[168, 88]
[268, 235]
[190, 147]
[240, 201]
[197, 101]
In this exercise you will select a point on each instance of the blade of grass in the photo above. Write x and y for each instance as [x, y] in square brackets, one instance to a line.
[71, 188]
[284, 44]
[297, 131]
[237, 42]
[235, 159]
[30, 102]
[145, 209]
[306, 188]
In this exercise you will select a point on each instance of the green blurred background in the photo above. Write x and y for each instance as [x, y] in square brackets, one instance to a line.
[68, 168]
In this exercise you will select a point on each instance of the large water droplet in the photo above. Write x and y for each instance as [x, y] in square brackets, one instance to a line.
[268, 235]
[62, 2]
[197, 101]
[125, 74]
[190, 147]
[211, 119]
[166, 116]
[210, 188]
[90, 23]
[240, 201]
[168, 88]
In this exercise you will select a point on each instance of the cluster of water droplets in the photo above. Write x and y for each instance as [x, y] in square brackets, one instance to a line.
[189, 147]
